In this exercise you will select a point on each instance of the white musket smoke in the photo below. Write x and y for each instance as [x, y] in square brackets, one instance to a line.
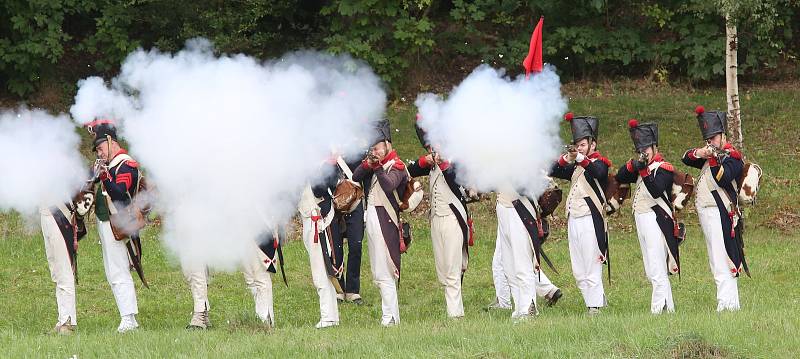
[229, 141]
[500, 132]
[40, 165]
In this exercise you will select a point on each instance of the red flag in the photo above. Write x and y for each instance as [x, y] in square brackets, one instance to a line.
[533, 62]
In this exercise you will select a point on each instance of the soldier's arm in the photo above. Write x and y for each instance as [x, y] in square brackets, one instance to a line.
[419, 168]
[362, 172]
[391, 180]
[598, 169]
[121, 186]
[626, 173]
[562, 169]
[691, 160]
[353, 164]
[727, 171]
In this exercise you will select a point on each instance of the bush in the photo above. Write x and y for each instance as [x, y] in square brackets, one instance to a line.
[583, 38]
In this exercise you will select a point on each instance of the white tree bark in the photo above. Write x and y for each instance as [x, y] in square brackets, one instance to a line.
[732, 84]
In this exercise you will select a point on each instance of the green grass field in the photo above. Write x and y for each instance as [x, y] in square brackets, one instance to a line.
[765, 327]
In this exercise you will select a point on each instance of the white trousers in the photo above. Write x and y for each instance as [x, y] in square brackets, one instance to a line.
[256, 277]
[328, 307]
[118, 272]
[517, 258]
[382, 268]
[60, 268]
[447, 240]
[727, 287]
[585, 258]
[544, 286]
[654, 256]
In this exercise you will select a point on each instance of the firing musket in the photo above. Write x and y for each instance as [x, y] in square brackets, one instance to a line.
[643, 157]
[719, 153]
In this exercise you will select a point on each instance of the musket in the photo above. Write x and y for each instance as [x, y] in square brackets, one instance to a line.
[87, 187]
[279, 250]
[643, 157]
[718, 153]
[136, 257]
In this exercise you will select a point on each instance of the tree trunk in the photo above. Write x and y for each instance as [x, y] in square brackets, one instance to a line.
[731, 69]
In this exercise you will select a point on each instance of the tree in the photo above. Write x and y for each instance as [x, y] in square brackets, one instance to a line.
[732, 83]
[761, 12]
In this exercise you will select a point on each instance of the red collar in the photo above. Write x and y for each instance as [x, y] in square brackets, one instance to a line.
[444, 165]
[120, 152]
[398, 163]
[390, 156]
[657, 158]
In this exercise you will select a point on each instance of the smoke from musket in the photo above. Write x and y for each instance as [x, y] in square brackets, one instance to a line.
[40, 165]
[502, 133]
[229, 141]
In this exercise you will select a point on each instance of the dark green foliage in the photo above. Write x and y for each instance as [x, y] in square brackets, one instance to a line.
[403, 38]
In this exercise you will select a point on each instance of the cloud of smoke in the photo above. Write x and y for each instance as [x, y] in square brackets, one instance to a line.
[229, 141]
[503, 133]
[40, 165]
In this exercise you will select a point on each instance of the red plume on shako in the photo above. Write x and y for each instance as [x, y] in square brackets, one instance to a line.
[633, 123]
[568, 117]
[699, 109]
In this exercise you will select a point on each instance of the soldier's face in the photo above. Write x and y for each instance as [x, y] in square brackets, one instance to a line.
[585, 146]
[102, 151]
[716, 141]
[106, 149]
[379, 150]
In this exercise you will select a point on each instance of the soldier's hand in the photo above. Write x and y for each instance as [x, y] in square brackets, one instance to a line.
[429, 158]
[571, 156]
[436, 158]
[639, 165]
[704, 152]
[104, 175]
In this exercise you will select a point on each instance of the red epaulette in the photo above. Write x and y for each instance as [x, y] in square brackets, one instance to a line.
[399, 165]
[733, 151]
[132, 163]
[605, 160]
[667, 166]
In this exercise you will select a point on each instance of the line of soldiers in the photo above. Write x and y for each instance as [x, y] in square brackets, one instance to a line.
[389, 188]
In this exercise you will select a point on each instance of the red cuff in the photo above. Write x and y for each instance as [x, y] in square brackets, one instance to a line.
[562, 162]
[691, 154]
[712, 161]
[423, 162]
[584, 163]
[629, 166]
[365, 164]
[644, 173]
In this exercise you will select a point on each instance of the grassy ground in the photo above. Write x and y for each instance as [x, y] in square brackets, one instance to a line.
[764, 327]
